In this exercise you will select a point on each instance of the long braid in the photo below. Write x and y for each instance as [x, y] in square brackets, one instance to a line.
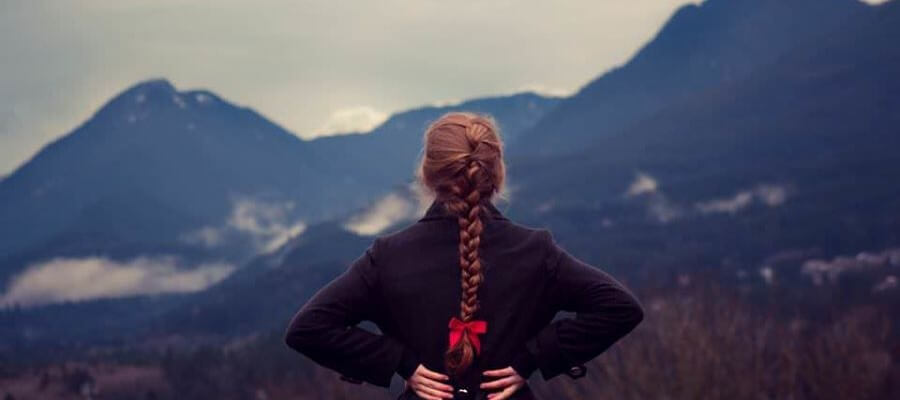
[465, 201]
[462, 164]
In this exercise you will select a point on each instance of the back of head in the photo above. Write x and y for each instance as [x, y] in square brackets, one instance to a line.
[462, 165]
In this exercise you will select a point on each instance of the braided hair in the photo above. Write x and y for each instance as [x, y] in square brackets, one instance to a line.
[462, 165]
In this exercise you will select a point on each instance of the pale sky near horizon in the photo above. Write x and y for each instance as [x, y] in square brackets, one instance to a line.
[314, 67]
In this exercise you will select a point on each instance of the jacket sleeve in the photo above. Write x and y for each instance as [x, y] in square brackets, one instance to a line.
[605, 311]
[325, 328]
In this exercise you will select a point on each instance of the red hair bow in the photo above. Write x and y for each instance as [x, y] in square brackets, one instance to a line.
[473, 328]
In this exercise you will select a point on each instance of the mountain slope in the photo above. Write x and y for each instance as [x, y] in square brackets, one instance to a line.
[700, 47]
[798, 156]
[150, 165]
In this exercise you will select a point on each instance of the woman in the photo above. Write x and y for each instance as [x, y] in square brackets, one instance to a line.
[464, 298]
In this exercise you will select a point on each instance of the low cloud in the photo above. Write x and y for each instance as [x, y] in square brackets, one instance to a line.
[730, 205]
[889, 282]
[267, 224]
[772, 195]
[387, 211]
[547, 91]
[659, 207]
[767, 274]
[206, 236]
[353, 119]
[824, 271]
[546, 206]
[63, 279]
[642, 184]
[769, 194]
[664, 210]
[445, 102]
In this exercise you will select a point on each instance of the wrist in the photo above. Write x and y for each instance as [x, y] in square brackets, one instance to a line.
[524, 364]
[409, 362]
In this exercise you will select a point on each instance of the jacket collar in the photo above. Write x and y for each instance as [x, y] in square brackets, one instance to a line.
[437, 211]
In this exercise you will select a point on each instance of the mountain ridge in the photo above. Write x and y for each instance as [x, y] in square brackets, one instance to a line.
[154, 147]
[699, 47]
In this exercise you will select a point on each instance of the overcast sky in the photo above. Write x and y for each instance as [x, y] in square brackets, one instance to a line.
[315, 67]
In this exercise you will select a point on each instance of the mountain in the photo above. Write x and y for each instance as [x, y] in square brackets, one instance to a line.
[798, 157]
[150, 165]
[388, 153]
[700, 47]
[160, 171]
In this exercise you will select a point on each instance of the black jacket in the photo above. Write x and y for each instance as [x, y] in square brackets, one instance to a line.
[408, 283]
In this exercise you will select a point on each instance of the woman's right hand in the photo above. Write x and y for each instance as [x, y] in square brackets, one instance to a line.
[427, 384]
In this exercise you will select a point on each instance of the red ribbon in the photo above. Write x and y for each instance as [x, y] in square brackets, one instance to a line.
[473, 328]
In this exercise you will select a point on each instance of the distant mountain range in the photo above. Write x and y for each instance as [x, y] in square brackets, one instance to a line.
[162, 171]
[746, 139]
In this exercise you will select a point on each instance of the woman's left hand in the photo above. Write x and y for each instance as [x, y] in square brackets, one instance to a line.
[508, 382]
[429, 384]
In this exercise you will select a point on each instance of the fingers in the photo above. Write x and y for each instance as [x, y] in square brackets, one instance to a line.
[505, 393]
[427, 396]
[425, 391]
[500, 372]
[509, 382]
[499, 383]
[426, 384]
[437, 385]
[433, 375]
